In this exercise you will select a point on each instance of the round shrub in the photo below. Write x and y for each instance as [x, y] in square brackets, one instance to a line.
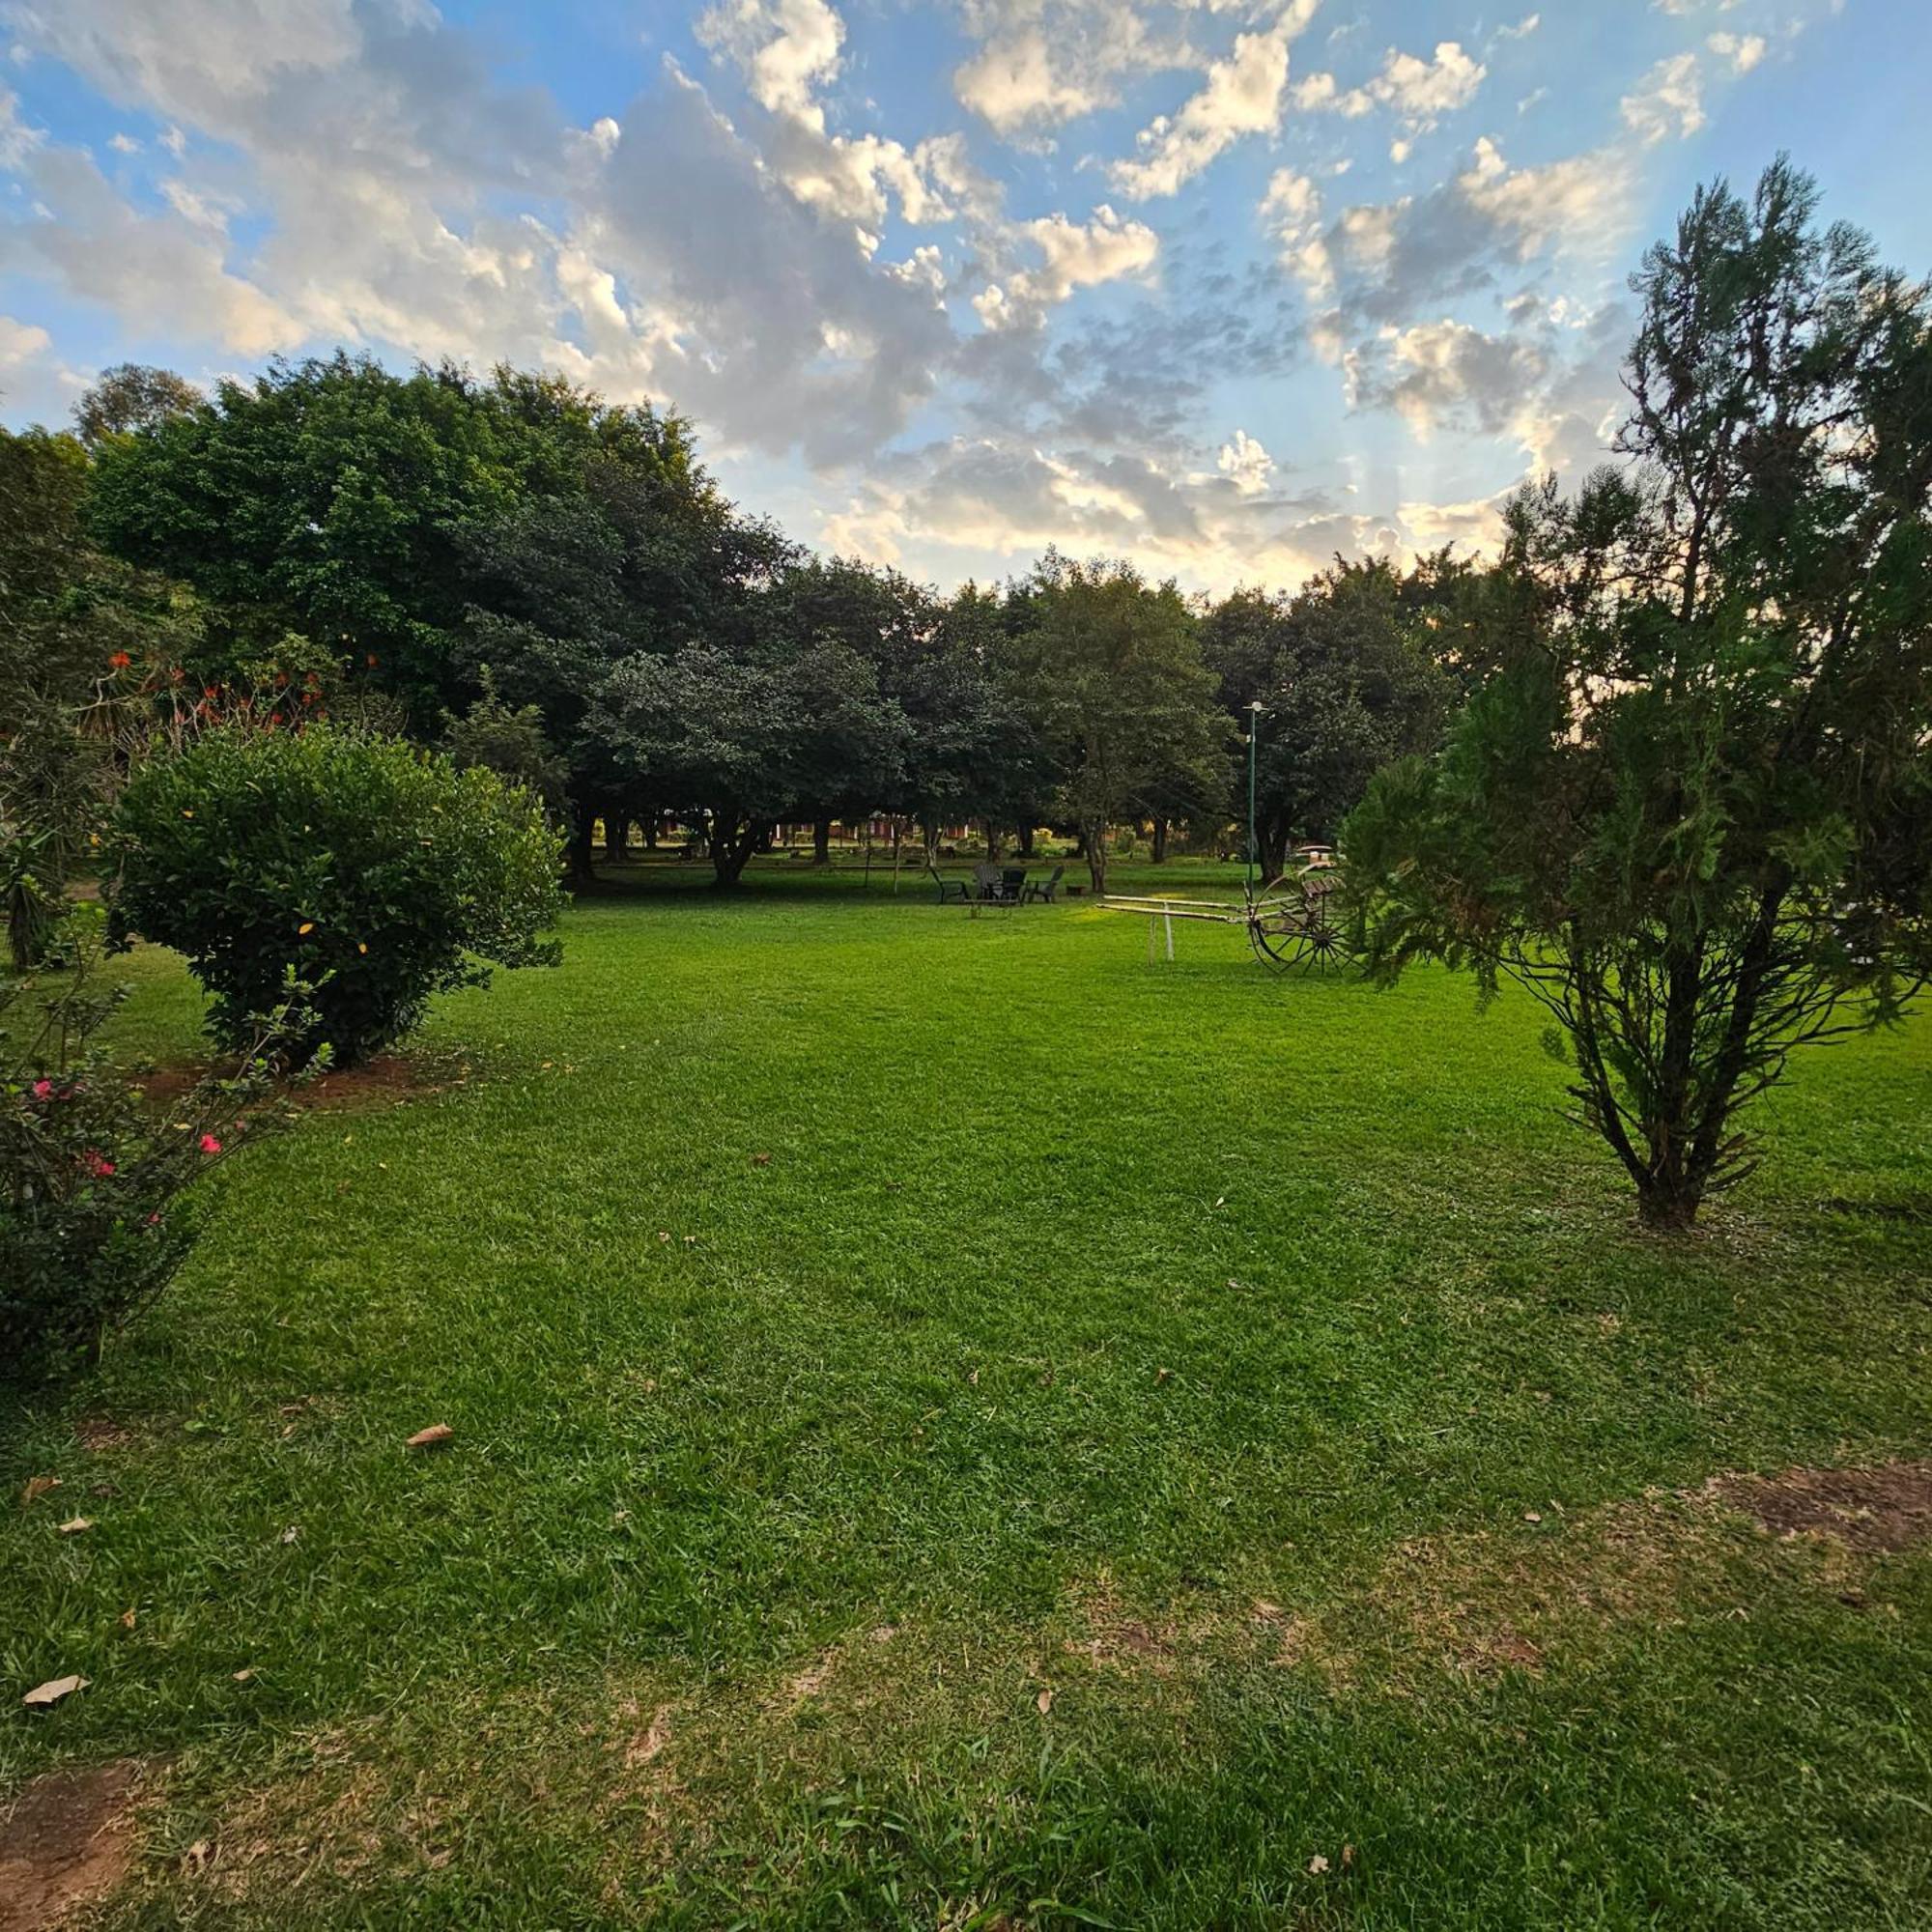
[370, 870]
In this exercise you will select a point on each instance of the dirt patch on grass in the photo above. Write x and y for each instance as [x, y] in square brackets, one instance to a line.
[67, 1840]
[101, 1437]
[386, 1080]
[1873, 1511]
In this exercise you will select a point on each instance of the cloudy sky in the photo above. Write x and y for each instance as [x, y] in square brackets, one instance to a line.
[1225, 284]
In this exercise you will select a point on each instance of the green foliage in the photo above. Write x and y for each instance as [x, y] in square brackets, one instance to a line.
[1690, 809]
[77, 631]
[132, 396]
[373, 870]
[749, 737]
[512, 743]
[1110, 666]
[95, 1214]
[1346, 673]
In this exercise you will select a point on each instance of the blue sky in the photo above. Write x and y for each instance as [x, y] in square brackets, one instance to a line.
[1226, 286]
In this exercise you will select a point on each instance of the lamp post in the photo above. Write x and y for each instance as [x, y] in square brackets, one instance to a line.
[1255, 709]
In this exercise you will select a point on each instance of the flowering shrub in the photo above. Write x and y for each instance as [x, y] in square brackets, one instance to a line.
[93, 1219]
[373, 870]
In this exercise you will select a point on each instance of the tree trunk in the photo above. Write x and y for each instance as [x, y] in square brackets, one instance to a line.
[1095, 838]
[582, 843]
[731, 847]
[928, 832]
[992, 840]
[1160, 841]
[616, 837]
[1024, 837]
[652, 825]
[1271, 837]
[821, 842]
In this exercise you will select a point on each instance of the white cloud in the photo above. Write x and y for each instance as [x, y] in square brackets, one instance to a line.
[1041, 63]
[1012, 84]
[1073, 255]
[1242, 94]
[1420, 90]
[786, 49]
[1245, 463]
[1291, 213]
[1743, 52]
[1668, 101]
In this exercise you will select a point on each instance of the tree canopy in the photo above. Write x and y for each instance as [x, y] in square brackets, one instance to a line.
[1690, 810]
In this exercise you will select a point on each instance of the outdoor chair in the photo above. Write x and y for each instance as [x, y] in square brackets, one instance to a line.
[985, 881]
[950, 888]
[1044, 893]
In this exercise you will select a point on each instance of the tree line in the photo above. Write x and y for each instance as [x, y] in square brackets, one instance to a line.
[554, 585]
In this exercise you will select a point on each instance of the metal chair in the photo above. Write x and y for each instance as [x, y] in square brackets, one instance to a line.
[1044, 893]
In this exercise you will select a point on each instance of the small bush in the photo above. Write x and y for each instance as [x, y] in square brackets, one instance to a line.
[93, 1222]
[371, 869]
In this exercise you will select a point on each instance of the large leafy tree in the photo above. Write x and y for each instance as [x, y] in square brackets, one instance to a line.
[1110, 665]
[77, 634]
[1691, 811]
[739, 738]
[1344, 674]
[132, 396]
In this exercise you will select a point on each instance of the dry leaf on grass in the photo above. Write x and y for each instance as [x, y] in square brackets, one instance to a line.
[1317, 1865]
[1043, 1703]
[37, 1487]
[127, 1618]
[429, 1438]
[76, 1524]
[52, 1691]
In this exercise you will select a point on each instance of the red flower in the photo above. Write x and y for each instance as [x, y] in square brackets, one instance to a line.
[120, 660]
[210, 1144]
[97, 1164]
[42, 1089]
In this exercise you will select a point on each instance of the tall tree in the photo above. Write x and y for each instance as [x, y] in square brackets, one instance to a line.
[1344, 671]
[1690, 812]
[78, 635]
[132, 396]
[741, 738]
[1110, 667]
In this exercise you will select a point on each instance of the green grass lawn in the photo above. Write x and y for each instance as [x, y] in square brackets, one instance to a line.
[956, 1426]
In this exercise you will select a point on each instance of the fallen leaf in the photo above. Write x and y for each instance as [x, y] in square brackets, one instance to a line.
[127, 1618]
[37, 1487]
[243, 1676]
[428, 1438]
[974, 1377]
[76, 1524]
[1530, 1516]
[664, 1234]
[1163, 1375]
[197, 1855]
[52, 1691]
[1221, 1201]
[1043, 1703]
[1317, 1865]
[761, 1160]
[290, 1534]
[1348, 1856]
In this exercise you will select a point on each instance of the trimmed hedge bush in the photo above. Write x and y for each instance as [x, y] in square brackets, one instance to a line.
[370, 870]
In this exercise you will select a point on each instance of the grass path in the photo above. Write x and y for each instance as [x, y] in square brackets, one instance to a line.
[955, 1426]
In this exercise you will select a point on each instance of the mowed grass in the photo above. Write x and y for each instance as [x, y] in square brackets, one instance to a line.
[959, 1426]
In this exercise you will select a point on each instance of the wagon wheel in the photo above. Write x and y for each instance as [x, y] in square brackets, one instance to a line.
[1295, 925]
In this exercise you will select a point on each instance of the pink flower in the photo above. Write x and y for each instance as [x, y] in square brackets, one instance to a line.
[42, 1089]
[155, 1219]
[98, 1164]
[210, 1144]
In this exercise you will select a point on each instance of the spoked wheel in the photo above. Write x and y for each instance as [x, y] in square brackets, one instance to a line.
[1293, 926]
